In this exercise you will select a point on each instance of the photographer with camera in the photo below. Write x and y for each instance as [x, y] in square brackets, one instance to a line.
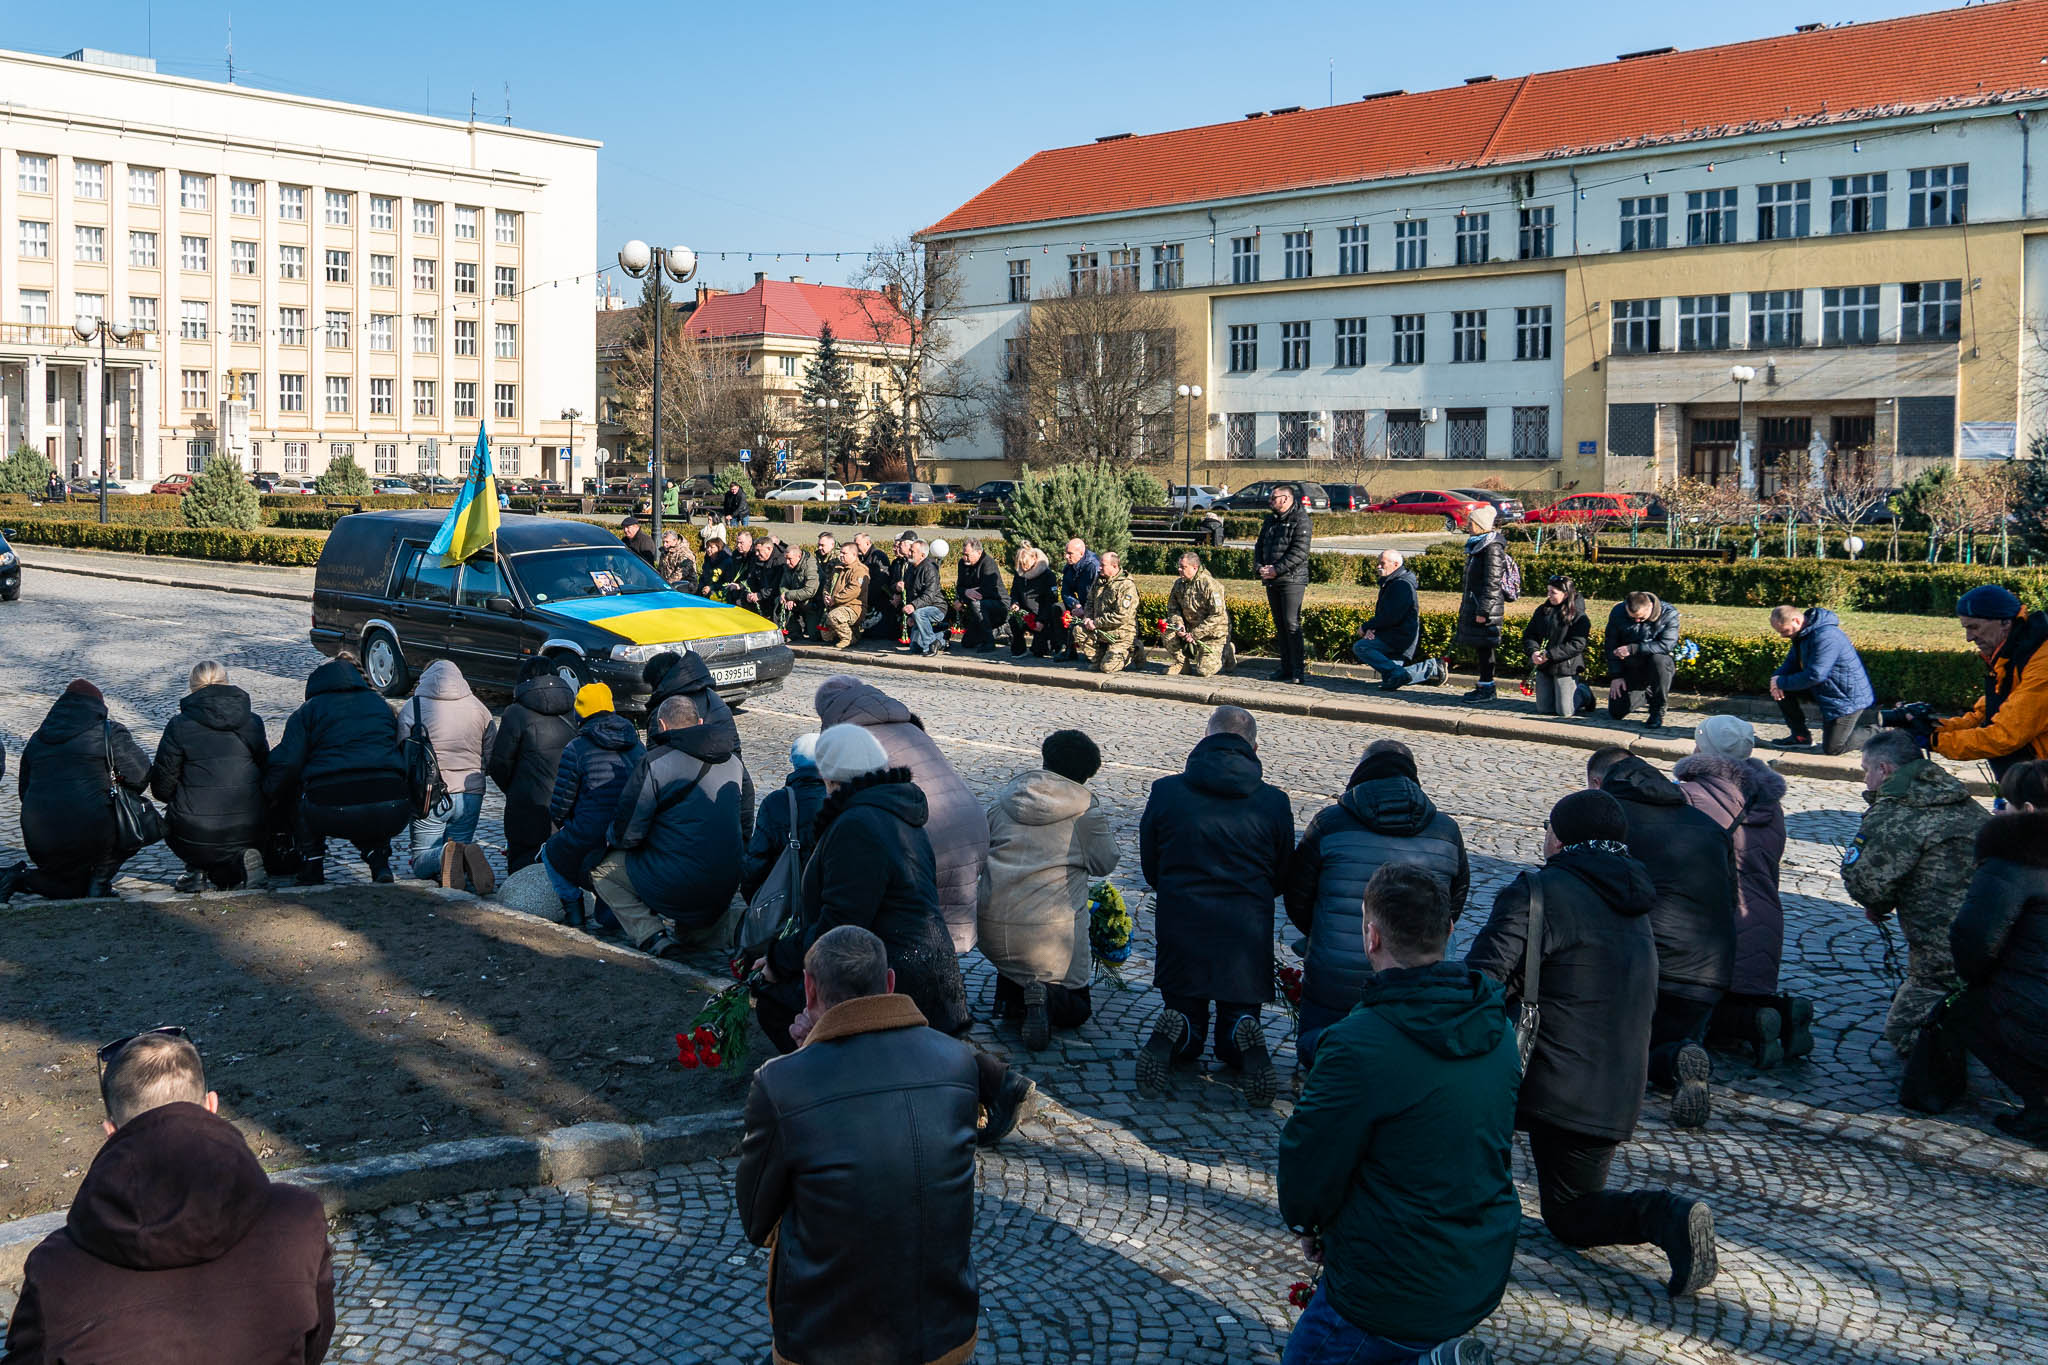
[2009, 723]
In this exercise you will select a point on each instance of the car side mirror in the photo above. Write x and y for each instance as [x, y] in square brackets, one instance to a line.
[503, 606]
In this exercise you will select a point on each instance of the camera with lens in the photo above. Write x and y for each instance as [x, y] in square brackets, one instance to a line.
[1916, 718]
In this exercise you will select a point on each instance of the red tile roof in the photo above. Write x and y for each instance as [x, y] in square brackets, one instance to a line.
[1951, 59]
[785, 308]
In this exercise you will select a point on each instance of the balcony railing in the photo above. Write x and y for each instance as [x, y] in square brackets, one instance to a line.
[56, 334]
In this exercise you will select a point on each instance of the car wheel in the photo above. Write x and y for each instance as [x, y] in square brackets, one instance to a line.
[1450, 523]
[10, 594]
[384, 664]
[571, 669]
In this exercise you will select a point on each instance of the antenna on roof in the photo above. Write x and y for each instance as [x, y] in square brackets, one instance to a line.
[472, 104]
[508, 104]
[1333, 80]
[231, 47]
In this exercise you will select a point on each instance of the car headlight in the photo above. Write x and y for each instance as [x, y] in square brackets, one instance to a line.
[763, 639]
[640, 654]
[8, 559]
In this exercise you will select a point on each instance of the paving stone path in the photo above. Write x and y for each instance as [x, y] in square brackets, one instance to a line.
[1112, 1230]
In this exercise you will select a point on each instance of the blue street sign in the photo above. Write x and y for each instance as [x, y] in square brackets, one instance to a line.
[746, 457]
[1589, 447]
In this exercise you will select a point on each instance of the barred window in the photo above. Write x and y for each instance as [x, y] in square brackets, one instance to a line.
[1404, 433]
[1294, 429]
[1465, 434]
[1241, 436]
[1532, 433]
[1347, 433]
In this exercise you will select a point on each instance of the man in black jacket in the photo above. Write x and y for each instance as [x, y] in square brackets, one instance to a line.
[760, 577]
[1214, 844]
[729, 583]
[1641, 647]
[209, 775]
[880, 600]
[2000, 943]
[1583, 1090]
[341, 765]
[858, 1164]
[978, 590]
[523, 752]
[924, 603]
[1383, 817]
[1281, 557]
[1389, 640]
[1691, 861]
[638, 541]
[67, 814]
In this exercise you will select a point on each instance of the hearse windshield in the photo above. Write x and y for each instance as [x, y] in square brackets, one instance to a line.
[586, 571]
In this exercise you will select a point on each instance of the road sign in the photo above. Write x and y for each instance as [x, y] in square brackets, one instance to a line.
[746, 457]
[1589, 447]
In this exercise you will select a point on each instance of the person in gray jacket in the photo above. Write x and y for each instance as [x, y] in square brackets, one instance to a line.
[1383, 817]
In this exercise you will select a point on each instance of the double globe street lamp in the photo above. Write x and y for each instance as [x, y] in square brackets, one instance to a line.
[86, 328]
[826, 407]
[1189, 392]
[678, 263]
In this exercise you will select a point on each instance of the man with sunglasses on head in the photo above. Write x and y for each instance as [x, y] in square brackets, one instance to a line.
[177, 1250]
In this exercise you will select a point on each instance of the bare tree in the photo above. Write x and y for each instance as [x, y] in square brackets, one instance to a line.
[914, 294]
[1091, 376]
[709, 409]
[1853, 492]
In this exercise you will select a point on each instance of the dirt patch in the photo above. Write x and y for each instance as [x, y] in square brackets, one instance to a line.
[335, 1025]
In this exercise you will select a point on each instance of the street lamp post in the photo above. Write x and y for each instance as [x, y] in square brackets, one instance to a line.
[679, 263]
[826, 407]
[86, 328]
[1190, 392]
[1742, 375]
[570, 415]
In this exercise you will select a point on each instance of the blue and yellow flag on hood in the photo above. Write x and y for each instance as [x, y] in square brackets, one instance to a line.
[472, 522]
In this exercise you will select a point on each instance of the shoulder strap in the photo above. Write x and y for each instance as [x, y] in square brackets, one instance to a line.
[113, 778]
[676, 798]
[1532, 945]
[794, 841]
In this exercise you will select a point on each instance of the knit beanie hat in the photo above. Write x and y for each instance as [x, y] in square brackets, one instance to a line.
[803, 755]
[79, 687]
[1724, 737]
[1989, 602]
[1071, 754]
[592, 698]
[849, 751]
[1585, 816]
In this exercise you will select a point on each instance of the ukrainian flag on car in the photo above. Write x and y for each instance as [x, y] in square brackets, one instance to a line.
[652, 618]
[472, 523]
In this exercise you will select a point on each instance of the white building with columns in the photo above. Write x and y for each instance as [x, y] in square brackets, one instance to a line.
[372, 282]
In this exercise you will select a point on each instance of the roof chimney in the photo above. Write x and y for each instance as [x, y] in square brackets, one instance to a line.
[894, 293]
[796, 279]
[760, 277]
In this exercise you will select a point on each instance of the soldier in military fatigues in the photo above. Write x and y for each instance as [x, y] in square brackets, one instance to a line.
[1913, 855]
[1197, 637]
[1106, 635]
[847, 600]
[796, 588]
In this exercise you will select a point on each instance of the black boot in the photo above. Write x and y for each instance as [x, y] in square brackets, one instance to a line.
[380, 865]
[1016, 1101]
[1169, 1035]
[190, 883]
[1796, 1011]
[1687, 1238]
[312, 872]
[10, 881]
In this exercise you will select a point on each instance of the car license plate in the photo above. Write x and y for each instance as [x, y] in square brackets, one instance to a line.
[733, 673]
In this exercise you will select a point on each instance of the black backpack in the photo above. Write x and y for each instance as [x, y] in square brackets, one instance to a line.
[422, 768]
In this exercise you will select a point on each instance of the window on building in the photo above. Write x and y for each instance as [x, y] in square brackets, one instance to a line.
[197, 453]
[1241, 436]
[1294, 345]
[424, 216]
[142, 249]
[291, 326]
[1347, 433]
[423, 398]
[1167, 266]
[465, 337]
[89, 179]
[1020, 281]
[464, 226]
[1710, 217]
[192, 190]
[1937, 196]
[508, 456]
[786, 365]
[35, 239]
[89, 307]
[382, 271]
[241, 258]
[1465, 433]
[380, 331]
[1404, 433]
[505, 281]
[1532, 333]
[505, 227]
[385, 456]
[1244, 347]
[1468, 336]
[142, 184]
[1084, 271]
[339, 332]
[244, 323]
[1784, 210]
[380, 398]
[1858, 203]
[241, 198]
[341, 450]
[423, 342]
[1294, 433]
[1848, 317]
[1703, 322]
[291, 263]
[424, 273]
[1408, 348]
[429, 457]
[1931, 310]
[192, 388]
[291, 397]
[1411, 244]
[295, 457]
[1123, 268]
[142, 313]
[1775, 317]
[337, 394]
[1531, 433]
[34, 305]
[1350, 343]
[340, 204]
[1638, 326]
[505, 401]
[89, 245]
[505, 340]
[1352, 245]
[381, 212]
[32, 173]
[465, 277]
[192, 253]
[1474, 238]
[464, 398]
[337, 267]
[291, 203]
[1538, 233]
[1645, 222]
[1297, 255]
[1244, 260]
[193, 320]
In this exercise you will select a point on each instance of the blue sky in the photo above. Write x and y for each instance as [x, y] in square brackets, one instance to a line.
[799, 127]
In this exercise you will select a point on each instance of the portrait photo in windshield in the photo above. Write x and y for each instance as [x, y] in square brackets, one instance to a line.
[586, 571]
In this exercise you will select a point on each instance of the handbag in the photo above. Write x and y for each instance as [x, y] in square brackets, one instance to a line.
[422, 769]
[137, 822]
[1530, 1016]
[774, 903]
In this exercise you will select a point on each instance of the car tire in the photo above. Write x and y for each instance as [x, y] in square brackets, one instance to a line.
[1450, 523]
[10, 594]
[570, 668]
[384, 664]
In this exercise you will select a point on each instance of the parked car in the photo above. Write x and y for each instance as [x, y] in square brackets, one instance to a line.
[861, 489]
[809, 490]
[294, 484]
[263, 481]
[10, 571]
[433, 484]
[1347, 497]
[1256, 497]
[1192, 497]
[541, 486]
[564, 590]
[1593, 507]
[948, 492]
[90, 487]
[995, 491]
[179, 484]
[391, 485]
[908, 494]
[1431, 502]
[1505, 507]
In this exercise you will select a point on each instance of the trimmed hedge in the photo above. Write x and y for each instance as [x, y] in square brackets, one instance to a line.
[234, 547]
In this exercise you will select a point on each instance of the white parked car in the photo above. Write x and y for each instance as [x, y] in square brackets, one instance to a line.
[809, 490]
[1203, 496]
[391, 484]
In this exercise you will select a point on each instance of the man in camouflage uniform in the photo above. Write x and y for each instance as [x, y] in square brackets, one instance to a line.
[1197, 622]
[848, 598]
[1106, 633]
[796, 588]
[1914, 855]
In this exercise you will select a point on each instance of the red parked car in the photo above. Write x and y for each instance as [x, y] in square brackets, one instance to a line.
[179, 484]
[1436, 502]
[1583, 507]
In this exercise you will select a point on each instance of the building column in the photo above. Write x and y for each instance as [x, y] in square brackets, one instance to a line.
[91, 415]
[149, 441]
[34, 403]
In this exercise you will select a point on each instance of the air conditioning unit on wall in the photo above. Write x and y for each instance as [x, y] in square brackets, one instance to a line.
[1432, 414]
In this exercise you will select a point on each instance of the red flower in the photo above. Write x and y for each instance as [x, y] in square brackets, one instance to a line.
[704, 1037]
[1300, 1292]
[1066, 618]
[711, 1058]
[1031, 623]
[686, 1057]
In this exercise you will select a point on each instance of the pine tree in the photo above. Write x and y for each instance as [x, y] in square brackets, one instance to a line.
[1143, 489]
[735, 473]
[827, 376]
[344, 479]
[1082, 500]
[24, 471]
[222, 496]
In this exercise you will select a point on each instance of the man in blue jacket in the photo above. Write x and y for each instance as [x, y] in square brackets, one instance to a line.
[1823, 667]
[1395, 1163]
[1388, 641]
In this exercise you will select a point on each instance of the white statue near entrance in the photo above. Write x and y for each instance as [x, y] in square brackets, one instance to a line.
[1817, 463]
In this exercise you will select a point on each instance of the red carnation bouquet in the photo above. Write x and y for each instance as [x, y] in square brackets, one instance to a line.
[718, 1033]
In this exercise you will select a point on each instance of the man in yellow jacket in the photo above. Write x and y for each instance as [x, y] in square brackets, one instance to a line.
[2009, 723]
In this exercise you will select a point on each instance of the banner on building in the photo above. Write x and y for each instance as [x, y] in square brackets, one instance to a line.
[1990, 440]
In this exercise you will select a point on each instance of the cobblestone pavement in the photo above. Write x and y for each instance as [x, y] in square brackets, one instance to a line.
[1115, 1231]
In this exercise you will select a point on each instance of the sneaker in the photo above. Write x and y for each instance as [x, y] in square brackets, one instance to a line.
[1690, 1104]
[191, 883]
[1169, 1035]
[1259, 1083]
[1016, 1101]
[1462, 1351]
[1037, 1026]
[1796, 1013]
[1793, 742]
[481, 879]
[1766, 1030]
[1688, 1242]
[1439, 672]
[1482, 692]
